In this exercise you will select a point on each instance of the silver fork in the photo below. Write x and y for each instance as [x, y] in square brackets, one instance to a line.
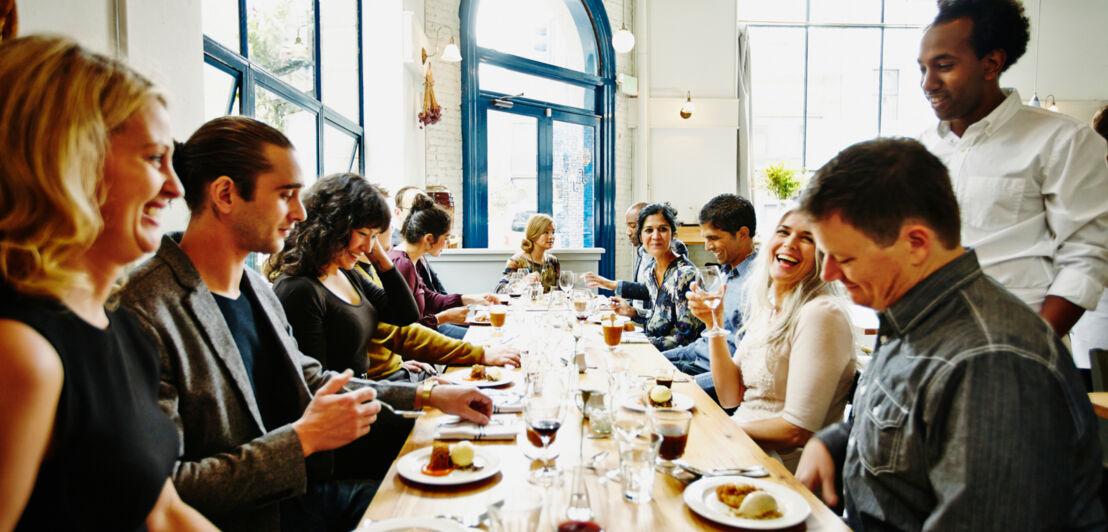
[755, 471]
[467, 520]
[402, 413]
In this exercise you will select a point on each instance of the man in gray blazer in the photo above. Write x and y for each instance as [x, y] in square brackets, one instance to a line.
[254, 414]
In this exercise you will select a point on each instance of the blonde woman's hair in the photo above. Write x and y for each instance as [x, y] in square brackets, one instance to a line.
[537, 224]
[759, 305]
[59, 105]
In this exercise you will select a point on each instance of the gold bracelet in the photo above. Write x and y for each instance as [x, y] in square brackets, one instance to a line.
[426, 393]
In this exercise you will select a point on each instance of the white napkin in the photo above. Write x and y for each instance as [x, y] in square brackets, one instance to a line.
[634, 337]
[505, 401]
[500, 427]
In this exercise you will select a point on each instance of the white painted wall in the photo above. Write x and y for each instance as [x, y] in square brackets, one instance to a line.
[693, 49]
[1072, 56]
[161, 39]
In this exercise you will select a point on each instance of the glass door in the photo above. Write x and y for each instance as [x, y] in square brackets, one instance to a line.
[541, 160]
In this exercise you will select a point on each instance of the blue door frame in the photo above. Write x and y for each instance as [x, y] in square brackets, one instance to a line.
[475, 105]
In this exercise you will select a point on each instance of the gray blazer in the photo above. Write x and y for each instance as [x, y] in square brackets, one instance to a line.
[232, 468]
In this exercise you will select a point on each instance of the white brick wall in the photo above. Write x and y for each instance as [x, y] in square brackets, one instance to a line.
[444, 139]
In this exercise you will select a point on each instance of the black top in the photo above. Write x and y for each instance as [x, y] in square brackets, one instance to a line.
[113, 448]
[335, 332]
[273, 389]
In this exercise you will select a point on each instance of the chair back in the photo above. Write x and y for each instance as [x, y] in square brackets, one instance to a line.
[1099, 362]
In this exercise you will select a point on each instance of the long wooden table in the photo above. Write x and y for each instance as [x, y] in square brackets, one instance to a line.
[714, 441]
[1100, 403]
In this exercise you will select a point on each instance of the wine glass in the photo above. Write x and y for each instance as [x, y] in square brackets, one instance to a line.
[544, 410]
[711, 281]
[566, 280]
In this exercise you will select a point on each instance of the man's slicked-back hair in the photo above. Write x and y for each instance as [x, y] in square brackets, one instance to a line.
[729, 212]
[997, 25]
[232, 146]
[878, 185]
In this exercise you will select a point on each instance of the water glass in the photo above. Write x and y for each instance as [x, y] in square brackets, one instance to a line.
[636, 466]
[518, 513]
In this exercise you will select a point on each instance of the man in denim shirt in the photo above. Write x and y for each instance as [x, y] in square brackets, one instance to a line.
[971, 415]
[727, 224]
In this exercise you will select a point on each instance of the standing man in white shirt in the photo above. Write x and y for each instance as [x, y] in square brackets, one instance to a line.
[1031, 183]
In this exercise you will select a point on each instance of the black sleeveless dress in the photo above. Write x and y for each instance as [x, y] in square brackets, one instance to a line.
[113, 447]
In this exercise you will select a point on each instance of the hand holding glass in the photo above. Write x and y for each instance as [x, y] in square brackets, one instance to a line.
[711, 281]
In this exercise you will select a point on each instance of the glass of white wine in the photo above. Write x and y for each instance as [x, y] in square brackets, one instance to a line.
[711, 281]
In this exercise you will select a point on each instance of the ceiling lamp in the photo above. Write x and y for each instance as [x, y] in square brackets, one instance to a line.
[689, 108]
[623, 41]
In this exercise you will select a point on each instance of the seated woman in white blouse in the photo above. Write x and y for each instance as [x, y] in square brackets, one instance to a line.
[795, 361]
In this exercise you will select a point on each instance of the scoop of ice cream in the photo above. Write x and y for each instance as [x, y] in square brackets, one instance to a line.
[493, 374]
[757, 504]
[660, 394]
[462, 454]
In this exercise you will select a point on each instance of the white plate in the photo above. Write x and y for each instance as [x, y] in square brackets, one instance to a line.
[505, 378]
[409, 466]
[404, 524]
[680, 402]
[700, 496]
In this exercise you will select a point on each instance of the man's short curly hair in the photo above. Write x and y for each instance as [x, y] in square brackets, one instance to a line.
[336, 206]
[997, 25]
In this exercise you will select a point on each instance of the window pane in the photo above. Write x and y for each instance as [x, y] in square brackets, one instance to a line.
[221, 22]
[848, 11]
[842, 90]
[574, 184]
[297, 123]
[339, 150]
[557, 32]
[496, 79]
[920, 12]
[772, 10]
[513, 176]
[339, 45]
[281, 36]
[777, 79]
[905, 111]
[221, 93]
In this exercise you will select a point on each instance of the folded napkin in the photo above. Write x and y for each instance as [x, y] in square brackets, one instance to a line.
[500, 427]
[634, 337]
[505, 401]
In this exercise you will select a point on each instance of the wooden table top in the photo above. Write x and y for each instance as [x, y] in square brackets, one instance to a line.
[1100, 403]
[714, 441]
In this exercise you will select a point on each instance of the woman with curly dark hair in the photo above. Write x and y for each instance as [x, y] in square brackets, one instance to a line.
[333, 310]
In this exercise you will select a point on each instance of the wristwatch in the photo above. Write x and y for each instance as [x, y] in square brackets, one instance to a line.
[427, 386]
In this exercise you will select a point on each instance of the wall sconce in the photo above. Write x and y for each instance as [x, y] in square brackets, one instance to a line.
[623, 40]
[688, 109]
[450, 54]
[1049, 103]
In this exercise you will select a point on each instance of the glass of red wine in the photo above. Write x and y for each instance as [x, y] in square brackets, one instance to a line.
[544, 410]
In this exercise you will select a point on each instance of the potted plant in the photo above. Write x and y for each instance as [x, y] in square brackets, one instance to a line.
[781, 181]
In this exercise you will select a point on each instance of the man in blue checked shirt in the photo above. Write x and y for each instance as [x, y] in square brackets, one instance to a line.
[727, 224]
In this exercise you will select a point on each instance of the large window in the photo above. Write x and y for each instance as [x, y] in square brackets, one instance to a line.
[538, 94]
[828, 73]
[294, 64]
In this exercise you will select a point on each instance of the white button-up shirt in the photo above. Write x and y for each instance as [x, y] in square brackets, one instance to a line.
[1032, 187]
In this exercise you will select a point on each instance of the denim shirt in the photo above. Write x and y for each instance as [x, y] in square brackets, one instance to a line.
[733, 302]
[670, 323]
[971, 416]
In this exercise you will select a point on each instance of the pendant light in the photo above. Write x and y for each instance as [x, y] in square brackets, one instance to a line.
[623, 40]
[1034, 101]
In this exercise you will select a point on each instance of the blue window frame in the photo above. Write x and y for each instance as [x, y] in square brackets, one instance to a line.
[323, 135]
[581, 101]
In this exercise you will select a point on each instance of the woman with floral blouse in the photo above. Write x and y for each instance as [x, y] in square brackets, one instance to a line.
[534, 259]
[669, 323]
